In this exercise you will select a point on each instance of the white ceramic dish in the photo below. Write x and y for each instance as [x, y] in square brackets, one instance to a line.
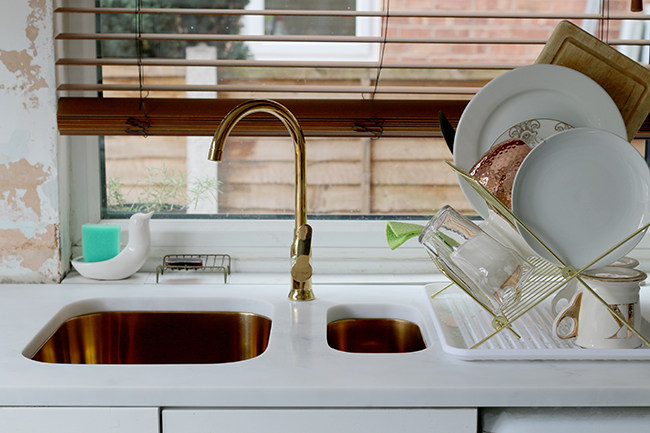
[533, 131]
[581, 192]
[129, 260]
[529, 92]
[460, 323]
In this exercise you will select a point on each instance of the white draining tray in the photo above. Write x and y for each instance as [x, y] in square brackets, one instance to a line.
[460, 323]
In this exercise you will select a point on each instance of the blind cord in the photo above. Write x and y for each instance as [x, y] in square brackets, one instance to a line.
[607, 22]
[603, 23]
[142, 126]
[375, 124]
[381, 55]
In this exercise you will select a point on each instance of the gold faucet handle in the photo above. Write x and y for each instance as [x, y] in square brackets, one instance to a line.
[301, 269]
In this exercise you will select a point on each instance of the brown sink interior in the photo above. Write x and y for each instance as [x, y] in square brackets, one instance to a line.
[157, 337]
[375, 336]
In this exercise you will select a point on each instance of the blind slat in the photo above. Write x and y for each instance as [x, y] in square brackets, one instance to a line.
[532, 14]
[276, 64]
[269, 89]
[200, 117]
[292, 38]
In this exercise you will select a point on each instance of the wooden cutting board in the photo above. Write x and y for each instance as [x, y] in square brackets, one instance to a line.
[626, 81]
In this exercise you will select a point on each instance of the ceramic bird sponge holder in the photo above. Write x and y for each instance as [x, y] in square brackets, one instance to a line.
[128, 261]
[546, 279]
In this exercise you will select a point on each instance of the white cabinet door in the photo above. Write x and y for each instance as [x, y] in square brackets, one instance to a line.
[79, 420]
[319, 420]
[566, 419]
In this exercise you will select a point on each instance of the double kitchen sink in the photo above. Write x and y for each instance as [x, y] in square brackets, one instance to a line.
[214, 331]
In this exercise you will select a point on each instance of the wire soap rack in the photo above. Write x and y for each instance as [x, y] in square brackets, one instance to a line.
[545, 280]
[195, 263]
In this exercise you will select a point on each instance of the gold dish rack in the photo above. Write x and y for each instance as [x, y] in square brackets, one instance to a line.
[209, 263]
[545, 280]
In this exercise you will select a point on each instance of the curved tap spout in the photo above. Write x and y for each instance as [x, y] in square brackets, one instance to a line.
[301, 269]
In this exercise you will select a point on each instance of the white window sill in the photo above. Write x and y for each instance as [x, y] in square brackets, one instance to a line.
[262, 246]
[342, 251]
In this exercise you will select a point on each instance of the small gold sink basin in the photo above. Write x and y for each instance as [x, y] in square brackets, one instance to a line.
[371, 335]
[157, 337]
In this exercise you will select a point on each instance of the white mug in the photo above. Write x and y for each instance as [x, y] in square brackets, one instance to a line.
[562, 298]
[591, 323]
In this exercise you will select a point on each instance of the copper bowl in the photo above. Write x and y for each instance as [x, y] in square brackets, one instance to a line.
[497, 168]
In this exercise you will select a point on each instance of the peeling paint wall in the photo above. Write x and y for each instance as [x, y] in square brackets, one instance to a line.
[29, 201]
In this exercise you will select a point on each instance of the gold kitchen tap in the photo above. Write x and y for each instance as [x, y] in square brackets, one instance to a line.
[301, 269]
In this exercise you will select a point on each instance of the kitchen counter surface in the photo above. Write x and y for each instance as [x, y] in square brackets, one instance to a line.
[298, 369]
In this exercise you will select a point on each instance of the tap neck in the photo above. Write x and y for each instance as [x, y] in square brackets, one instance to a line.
[291, 123]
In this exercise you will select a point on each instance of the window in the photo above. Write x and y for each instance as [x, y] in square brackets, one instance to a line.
[314, 26]
[281, 25]
[387, 76]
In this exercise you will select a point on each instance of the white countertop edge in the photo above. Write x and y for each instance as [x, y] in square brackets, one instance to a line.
[190, 278]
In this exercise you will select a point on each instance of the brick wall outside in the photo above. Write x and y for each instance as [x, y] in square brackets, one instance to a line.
[481, 28]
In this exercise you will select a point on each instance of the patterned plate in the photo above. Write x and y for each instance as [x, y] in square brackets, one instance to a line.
[533, 131]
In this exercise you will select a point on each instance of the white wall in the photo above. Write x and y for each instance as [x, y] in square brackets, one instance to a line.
[29, 198]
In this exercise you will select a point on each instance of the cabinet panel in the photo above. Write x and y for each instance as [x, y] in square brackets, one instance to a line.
[79, 420]
[566, 419]
[319, 420]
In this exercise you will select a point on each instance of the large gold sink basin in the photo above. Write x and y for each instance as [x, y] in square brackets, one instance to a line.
[157, 337]
[366, 331]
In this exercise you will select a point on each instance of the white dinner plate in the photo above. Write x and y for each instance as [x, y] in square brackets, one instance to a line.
[582, 192]
[529, 92]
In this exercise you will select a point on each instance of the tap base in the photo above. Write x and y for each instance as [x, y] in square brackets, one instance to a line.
[301, 291]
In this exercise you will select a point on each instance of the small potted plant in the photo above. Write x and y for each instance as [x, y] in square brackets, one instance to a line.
[164, 190]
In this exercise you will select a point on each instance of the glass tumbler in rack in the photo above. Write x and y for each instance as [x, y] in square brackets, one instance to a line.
[492, 272]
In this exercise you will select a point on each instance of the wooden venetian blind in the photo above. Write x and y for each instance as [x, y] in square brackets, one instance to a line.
[368, 68]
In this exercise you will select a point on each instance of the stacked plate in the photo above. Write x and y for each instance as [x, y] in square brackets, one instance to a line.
[583, 188]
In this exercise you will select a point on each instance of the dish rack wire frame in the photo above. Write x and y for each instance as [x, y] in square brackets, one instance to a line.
[210, 264]
[544, 281]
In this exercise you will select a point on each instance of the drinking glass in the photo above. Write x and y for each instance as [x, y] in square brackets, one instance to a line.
[491, 271]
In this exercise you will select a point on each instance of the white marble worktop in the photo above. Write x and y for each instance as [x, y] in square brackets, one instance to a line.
[298, 369]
